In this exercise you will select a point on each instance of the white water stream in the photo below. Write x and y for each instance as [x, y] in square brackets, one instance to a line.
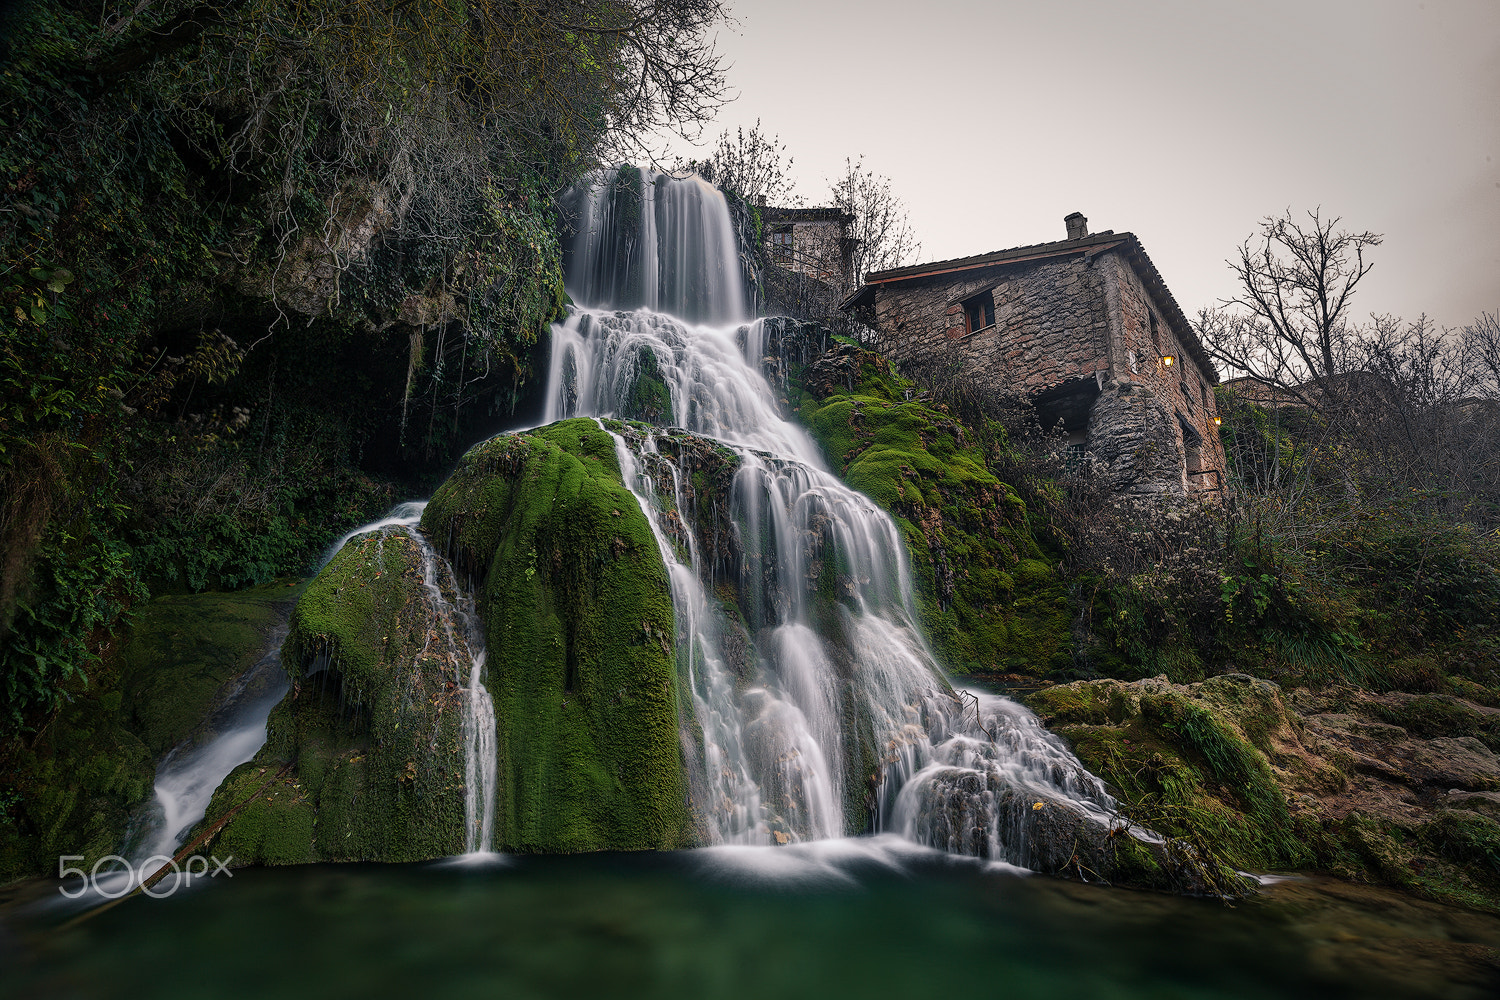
[841, 676]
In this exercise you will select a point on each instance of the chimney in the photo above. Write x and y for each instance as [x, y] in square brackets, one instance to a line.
[1078, 226]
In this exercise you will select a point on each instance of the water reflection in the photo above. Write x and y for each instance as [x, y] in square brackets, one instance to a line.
[866, 917]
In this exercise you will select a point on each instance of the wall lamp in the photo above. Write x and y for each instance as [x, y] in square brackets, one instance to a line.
[1168, 360]
[1218, 421]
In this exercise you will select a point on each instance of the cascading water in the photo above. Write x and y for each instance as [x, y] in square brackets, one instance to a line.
[842, 716]
[643, 238]
[188, 776]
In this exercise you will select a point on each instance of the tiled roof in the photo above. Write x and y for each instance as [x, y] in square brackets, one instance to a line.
[771, 214]
[1096, 244]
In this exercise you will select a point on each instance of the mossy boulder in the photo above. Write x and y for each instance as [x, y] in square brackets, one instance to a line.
[989, 597]
[1320, 781]
[73, 786]
[182, 649]
[1187, 761]
[578, 620]
[369, 735]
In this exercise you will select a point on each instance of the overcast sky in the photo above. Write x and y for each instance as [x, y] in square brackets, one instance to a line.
[1183, 121]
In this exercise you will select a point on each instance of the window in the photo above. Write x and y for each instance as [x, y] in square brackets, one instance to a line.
[781, 243]
[979, 312]
[1192, 446]
[1075, 450]
[1155, 332]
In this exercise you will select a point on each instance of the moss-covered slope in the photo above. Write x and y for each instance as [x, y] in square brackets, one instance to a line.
[1301, 781]
[989, 597]
[73, 786]
[579, 633]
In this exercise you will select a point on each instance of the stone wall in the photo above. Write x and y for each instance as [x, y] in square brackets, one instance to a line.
[1182, 390]
[1051, 323]
[816, 250]
[1068, 321]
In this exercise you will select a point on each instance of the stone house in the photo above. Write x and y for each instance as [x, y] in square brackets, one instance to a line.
[1086, 329]
[811, 241]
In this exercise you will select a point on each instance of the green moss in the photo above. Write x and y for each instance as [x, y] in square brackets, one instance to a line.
[1453, 858]
[579, 629]
[987, 594]
[649, 399]
[73, 788]
[1466, 838]
[1077, 704]
[580, 665]
[1441, 715]
[371, 729]
[1181, 766]
[180, 649]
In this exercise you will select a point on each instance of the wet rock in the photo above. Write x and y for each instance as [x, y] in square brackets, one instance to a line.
[371, 727]
[1371, 784]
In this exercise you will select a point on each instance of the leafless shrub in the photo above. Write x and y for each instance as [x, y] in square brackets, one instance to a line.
[752, 164]
[884, 235]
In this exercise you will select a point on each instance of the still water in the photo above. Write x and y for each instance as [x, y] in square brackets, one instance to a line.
[867, 917]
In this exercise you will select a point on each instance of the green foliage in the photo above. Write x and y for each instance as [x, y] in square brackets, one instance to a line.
[1466, 838]
[81, 591]
[160, 418]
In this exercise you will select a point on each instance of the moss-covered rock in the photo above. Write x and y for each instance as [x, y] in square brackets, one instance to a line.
[989, 597]
[73, 786]
[1300, 781]
[1185, 760]
[203, 641]
[579, 632]
[371, 727]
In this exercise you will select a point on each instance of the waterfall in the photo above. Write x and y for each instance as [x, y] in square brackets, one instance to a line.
[643, 238]
[838, 719]
[479, 762]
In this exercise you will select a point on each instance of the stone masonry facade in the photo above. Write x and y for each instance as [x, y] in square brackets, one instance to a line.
[811, 241]
[1084, 329]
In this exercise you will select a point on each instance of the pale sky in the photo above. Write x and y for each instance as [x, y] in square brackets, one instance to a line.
[1183, 121]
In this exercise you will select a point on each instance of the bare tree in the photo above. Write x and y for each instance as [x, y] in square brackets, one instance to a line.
[881, 227]
[752, 164]
[1481, 340]
[1288, 328]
